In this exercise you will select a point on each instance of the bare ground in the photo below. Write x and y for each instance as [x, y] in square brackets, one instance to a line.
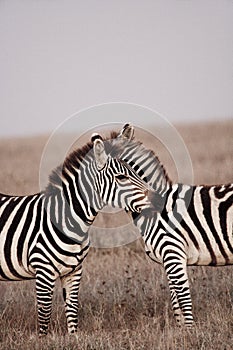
[124, 296]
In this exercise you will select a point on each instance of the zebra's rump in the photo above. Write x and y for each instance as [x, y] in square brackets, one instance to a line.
[19, 225]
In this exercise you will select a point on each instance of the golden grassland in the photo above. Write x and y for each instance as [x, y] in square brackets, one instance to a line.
[124, 297]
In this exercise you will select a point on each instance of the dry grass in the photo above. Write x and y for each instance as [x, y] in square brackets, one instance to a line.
[124, 297]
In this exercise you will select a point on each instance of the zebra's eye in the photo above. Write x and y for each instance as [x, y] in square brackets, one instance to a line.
[121, 177]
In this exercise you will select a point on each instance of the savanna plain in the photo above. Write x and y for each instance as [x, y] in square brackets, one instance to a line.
[124, 297]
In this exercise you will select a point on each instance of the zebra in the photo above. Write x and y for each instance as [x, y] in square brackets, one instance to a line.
[45, 236]
[193, 225]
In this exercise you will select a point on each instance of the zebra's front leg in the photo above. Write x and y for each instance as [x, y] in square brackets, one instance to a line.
[175, 304]
[180, 292]
[70, 285]
[45, 282]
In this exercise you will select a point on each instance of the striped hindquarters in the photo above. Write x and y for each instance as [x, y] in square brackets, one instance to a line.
[202, 218]
[19, 226]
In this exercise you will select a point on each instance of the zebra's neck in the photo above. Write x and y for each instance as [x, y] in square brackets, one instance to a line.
[71, 194]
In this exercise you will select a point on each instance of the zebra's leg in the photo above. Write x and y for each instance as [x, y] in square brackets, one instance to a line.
[176, 270]
[175, 304]
[70, 285]
[45, 282]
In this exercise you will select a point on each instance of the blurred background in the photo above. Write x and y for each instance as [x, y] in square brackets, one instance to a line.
[58, 57]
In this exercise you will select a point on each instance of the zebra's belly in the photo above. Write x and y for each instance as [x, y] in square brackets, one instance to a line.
[11, 271]
[14, 266]
[203, 260]
[203, 256]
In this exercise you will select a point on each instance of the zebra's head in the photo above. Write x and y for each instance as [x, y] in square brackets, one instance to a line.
[143, 162]
[117, 184]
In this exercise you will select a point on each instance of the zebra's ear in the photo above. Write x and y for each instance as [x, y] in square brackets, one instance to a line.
[127, 132]
[99, 151]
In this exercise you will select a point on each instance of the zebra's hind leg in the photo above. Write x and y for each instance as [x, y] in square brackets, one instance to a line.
[45, 282]
[180, 292]
[70, 285]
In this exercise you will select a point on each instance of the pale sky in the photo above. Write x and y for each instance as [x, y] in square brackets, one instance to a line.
[57, 57]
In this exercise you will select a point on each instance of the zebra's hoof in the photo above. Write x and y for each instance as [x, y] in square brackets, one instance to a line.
[42, 334]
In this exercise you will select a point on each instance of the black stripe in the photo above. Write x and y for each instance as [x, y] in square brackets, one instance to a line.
[9, 238]
[38, 262]
[156, 240]
[157, 168]
[75, 202]
[83, 183]
[51, 236]
[63, 211]
[2, 274]
[223, 208]
[206, 202]
[193, 216]
[4, 198]
[36, 229]
[174, 228]
[109, 188]
[25, 229]
[187, 199]
[8, 210]
[221, 191]
[169, 251]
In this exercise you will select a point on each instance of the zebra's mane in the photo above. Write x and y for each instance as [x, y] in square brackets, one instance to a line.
[75, 158]
[141, 152]
[114, 147]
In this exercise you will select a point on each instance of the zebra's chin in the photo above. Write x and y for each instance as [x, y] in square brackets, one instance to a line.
[157, 202]
[149, 212]
[154, 205]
